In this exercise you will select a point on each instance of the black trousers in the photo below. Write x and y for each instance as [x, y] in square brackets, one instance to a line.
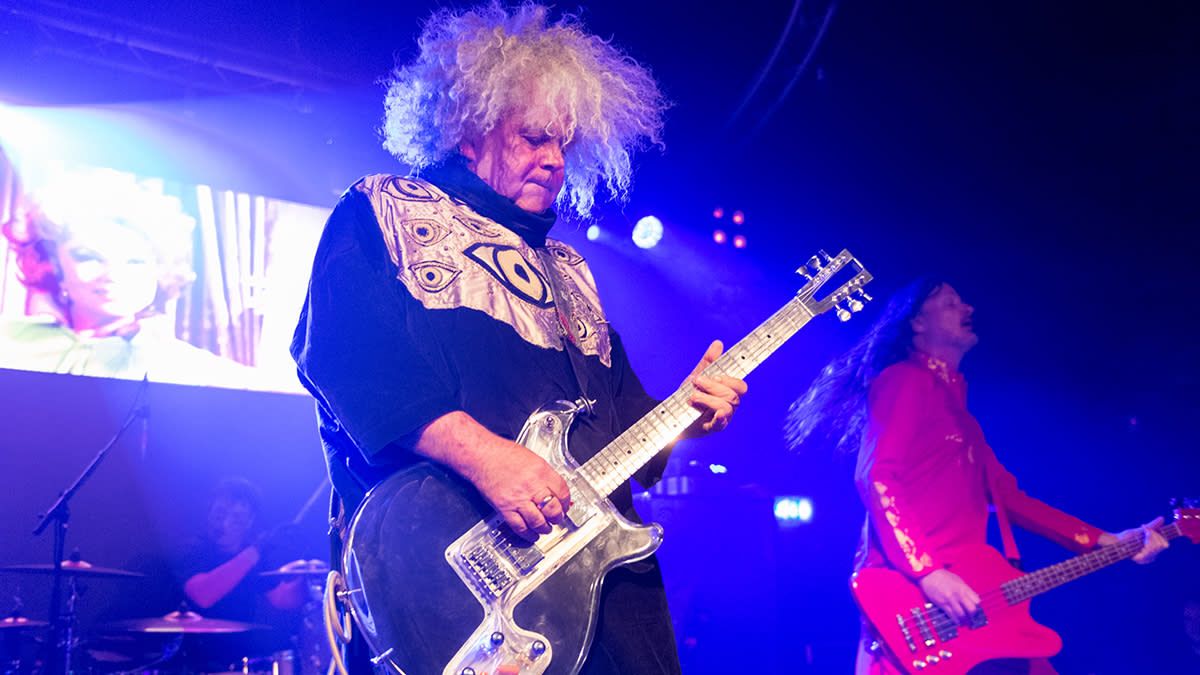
[634, 634]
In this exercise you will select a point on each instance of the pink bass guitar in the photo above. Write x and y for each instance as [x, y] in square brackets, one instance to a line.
[919, 637]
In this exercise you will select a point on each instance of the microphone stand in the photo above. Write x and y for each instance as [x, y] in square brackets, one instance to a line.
[59, 513]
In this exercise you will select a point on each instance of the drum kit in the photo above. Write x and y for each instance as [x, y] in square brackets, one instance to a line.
[158, 645]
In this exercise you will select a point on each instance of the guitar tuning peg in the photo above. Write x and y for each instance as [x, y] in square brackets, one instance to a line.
[843, 314]
[815, 263]
[803, 271]
[855, 304]
[825, 256]
[863, 294]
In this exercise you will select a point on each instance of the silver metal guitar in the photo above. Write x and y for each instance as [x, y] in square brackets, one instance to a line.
[438, 584]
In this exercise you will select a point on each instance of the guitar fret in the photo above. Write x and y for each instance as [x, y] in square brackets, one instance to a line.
[1035, 583]
[616, 462]
[653, 432]
[900, 627]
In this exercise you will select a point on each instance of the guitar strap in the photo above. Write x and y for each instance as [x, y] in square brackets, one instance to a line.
[1006, 534]
[566, 316]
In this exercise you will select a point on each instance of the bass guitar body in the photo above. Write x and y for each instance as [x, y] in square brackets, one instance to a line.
[439, 584]
[920, 638]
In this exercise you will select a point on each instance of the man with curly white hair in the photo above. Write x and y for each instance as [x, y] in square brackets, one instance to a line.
[439, 315]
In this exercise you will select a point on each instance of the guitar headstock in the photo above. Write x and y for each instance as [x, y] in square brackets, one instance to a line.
[847, 298]
[1187, 517]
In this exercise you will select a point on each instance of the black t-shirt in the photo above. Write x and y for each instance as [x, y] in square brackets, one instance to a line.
[420, 305]
[245, 603]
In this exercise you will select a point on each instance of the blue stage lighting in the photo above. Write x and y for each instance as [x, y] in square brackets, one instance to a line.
[593, 232]
[648, 232]
[792, 510]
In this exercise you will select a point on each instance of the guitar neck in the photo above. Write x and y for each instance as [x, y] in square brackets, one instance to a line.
[1025, 587]
[627, 453]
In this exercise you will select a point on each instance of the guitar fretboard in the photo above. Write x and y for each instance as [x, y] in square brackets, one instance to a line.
[614, 465]
[1034, 583]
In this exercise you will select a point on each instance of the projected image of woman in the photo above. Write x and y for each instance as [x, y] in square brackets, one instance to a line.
[103, 257]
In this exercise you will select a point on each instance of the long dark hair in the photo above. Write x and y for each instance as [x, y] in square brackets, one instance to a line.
[833, 411]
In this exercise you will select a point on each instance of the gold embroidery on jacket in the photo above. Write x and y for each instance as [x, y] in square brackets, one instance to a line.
[450, 257]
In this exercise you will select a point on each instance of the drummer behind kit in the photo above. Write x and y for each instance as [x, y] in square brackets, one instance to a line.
[158, 643]
[163, 643]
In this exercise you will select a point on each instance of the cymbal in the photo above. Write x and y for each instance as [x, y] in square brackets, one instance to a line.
[183, 622]
[20, 622]
[80, 568]
[300, 568]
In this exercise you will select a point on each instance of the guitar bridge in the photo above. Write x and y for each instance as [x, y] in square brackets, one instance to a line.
[496, 556]
[489, 575]
[908, 638]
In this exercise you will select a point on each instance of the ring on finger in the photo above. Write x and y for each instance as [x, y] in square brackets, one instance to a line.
[545, 501]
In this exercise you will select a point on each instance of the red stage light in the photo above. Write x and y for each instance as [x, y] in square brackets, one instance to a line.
[718, 212]
[739, 217]
[739, 241]
[719, 236]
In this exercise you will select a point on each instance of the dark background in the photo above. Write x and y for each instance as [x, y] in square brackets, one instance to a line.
[1040, 155]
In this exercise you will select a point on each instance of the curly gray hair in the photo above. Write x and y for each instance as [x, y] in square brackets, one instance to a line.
[478, 65]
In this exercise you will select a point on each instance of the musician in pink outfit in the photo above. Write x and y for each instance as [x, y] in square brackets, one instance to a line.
[925, 471]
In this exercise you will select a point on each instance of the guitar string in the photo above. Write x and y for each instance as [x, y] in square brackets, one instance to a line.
[995, 598]
[750, 351]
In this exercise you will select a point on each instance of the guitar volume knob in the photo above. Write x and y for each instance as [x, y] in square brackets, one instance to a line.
[945, 654]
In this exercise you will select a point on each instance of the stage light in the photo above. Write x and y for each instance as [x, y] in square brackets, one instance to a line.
[718, 212]
[792, 510]
[739, 241]
[40, 141]
[23, 135]
[719, 236]
[593, 232]
[738, 217]
[718, 468]
[648, 232]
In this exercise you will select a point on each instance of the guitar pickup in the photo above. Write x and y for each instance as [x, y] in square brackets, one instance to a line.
[523, 554]
[577, 515]
[978, 619]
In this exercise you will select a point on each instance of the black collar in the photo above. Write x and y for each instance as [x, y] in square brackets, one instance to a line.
[454, 178]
